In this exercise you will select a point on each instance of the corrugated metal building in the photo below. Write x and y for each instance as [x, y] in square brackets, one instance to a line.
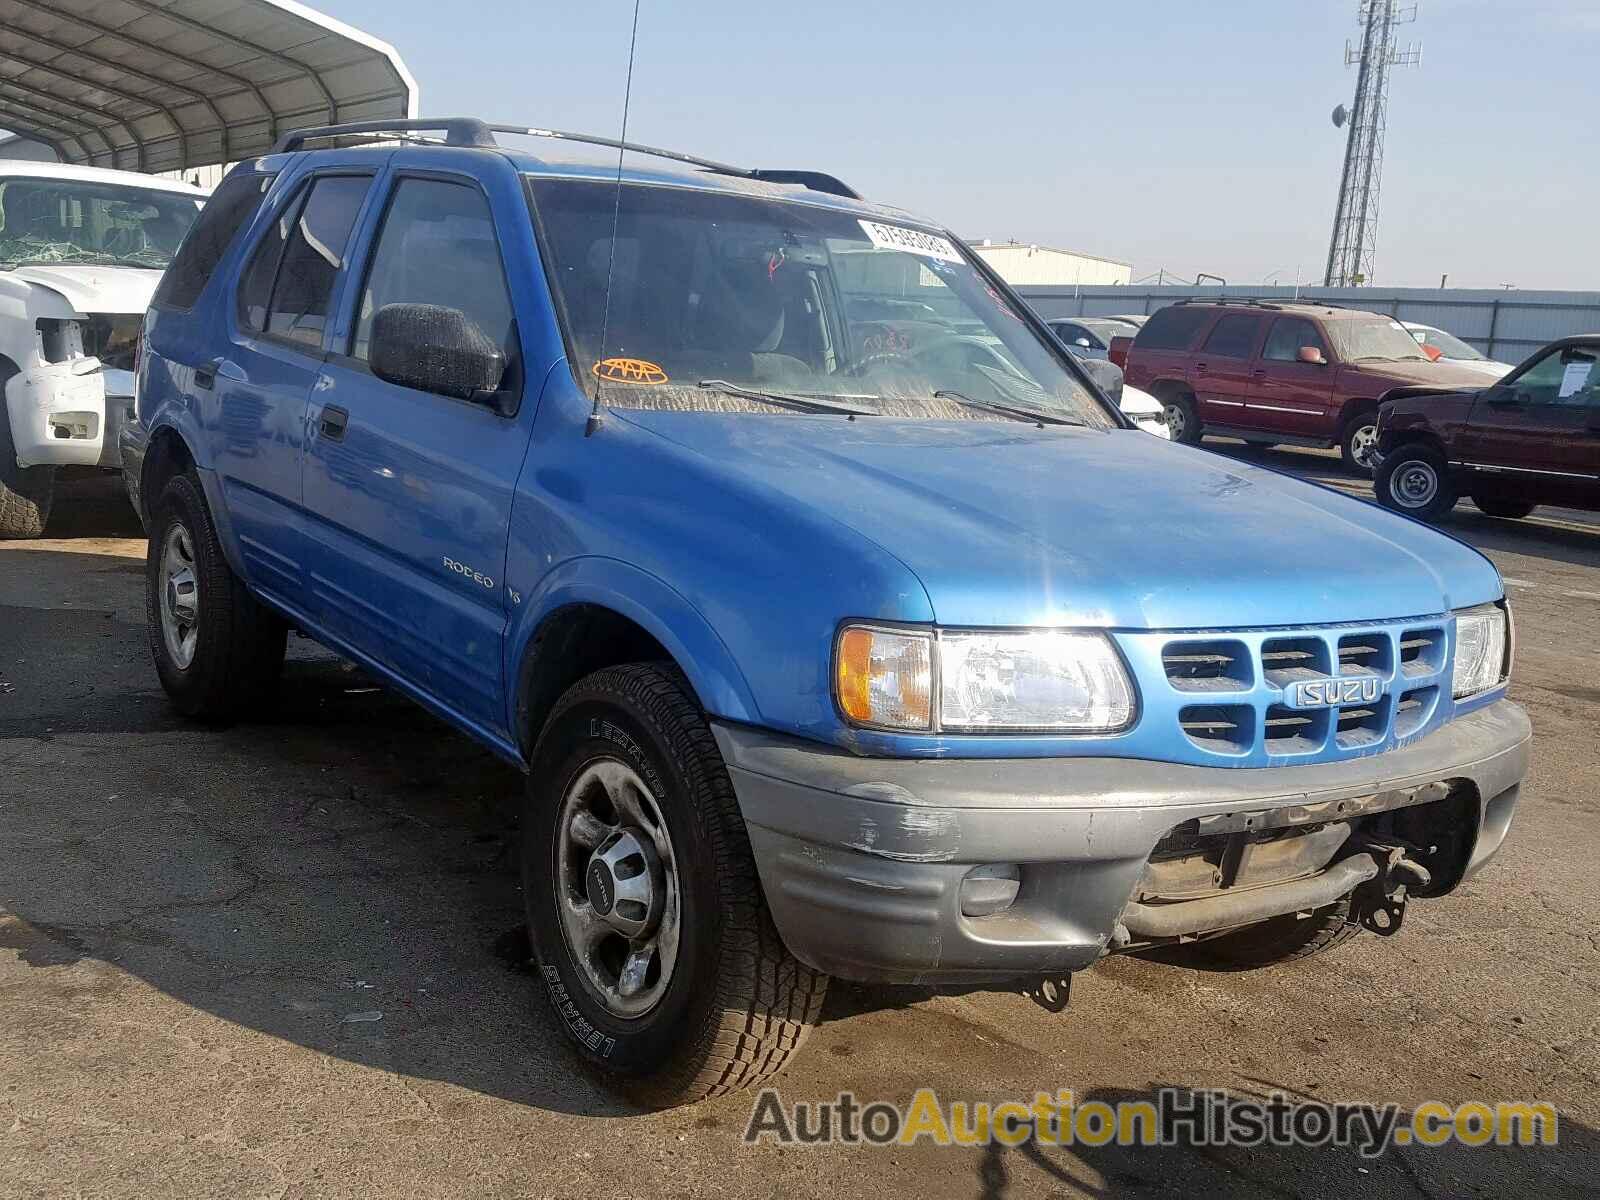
[1021, 263]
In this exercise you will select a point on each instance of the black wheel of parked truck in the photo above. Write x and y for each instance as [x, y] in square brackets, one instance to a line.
[1414, 479]
[1500, 506]
[1278, 939]
[648, 925]
[217, 650]
[25, 492]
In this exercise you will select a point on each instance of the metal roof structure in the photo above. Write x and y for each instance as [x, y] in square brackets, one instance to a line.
[165, 85]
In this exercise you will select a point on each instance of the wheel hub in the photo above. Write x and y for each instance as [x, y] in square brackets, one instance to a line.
[623, 883]
[180, 597]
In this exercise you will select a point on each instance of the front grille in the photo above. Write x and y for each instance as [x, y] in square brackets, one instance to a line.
[1232, 698]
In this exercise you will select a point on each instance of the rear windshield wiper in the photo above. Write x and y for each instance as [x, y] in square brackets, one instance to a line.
[797, 403]
[1032, 416]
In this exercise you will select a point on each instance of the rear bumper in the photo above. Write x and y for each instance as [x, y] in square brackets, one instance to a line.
[862, 859]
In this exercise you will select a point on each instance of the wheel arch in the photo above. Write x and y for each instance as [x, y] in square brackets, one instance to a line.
[1355, 407]
[167, 454]
[595, 613]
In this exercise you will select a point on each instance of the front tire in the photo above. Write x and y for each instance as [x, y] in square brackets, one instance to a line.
[1497, 506]
[1414, 479]
[217, 650]
[1279, 939]
[25, 492]
[644, 909]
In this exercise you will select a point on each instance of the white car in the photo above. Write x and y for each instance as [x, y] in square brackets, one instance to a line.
[1148, 413]
[1452, 349]
[81, 252]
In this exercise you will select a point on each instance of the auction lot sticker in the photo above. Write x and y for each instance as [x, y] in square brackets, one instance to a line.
[910, 241]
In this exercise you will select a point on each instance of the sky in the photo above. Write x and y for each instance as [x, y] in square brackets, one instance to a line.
[1181, 135]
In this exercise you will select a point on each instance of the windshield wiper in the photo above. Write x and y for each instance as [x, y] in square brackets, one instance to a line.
[797, 403]
[1032, 416]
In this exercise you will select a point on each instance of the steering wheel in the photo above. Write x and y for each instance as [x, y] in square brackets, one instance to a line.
[879, 358]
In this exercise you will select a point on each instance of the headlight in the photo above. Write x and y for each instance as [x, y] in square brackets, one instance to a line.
[885, 677]
[1481, 660]
[1005, 682]
[1048, 681]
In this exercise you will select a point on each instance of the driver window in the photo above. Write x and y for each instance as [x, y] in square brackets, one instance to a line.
[1288, 335]
[1570, 379]
[437, 246]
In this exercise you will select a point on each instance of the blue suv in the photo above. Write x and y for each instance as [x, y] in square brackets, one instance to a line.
[840, 624]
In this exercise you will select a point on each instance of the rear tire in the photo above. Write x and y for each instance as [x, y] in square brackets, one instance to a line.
[1414, 479]
[1278, 939]
[717, 1002]
[1183, 420]
[1495, 506]
[1358, 444]
[217, 649]
[25, 492]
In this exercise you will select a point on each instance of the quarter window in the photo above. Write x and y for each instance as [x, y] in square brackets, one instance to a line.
[437, 246]
[1234, 336]
[1288, 335]
[287, 289]
[227, 211]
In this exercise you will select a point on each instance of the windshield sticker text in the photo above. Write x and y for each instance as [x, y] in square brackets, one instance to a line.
[909, 241]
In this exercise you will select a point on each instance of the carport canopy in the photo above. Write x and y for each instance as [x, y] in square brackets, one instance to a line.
[165, 85]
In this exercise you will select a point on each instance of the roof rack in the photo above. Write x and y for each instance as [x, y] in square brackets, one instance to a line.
[470, 131]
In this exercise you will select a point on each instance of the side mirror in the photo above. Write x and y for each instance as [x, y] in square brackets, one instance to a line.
[1084, 342]
[1105, 374]
[435, 349]
[1501, 395]
[1312, 355]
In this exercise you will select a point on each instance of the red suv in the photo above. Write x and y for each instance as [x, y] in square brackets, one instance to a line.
[1297, 374]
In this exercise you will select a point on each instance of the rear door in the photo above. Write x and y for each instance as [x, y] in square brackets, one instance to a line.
[260, 384]
[1539, 430]
[1287, 395]
[408, 494]
[1221, 376]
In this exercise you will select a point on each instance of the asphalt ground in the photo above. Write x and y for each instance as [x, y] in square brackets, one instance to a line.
[283, 958]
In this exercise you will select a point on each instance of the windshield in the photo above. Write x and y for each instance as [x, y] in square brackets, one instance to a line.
[65, 221]
[711, 291]
[1447, 344]
[1374, 339]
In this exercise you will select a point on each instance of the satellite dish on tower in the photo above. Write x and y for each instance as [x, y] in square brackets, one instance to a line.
[1340, 115]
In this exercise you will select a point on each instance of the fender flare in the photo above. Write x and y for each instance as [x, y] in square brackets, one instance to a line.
[652, 604]
[179, 422]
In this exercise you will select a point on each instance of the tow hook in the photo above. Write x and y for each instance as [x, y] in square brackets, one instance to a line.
[1052, 993]
[1380, 903]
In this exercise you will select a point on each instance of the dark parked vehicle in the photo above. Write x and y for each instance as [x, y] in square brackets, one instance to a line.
[1533, 438]
[1296, 374]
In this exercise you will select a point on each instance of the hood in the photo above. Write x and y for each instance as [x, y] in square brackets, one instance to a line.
[1441, 374]
[1006, 524]
[95, 289]
[1482, 368]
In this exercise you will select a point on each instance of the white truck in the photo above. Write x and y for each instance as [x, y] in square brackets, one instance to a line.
[81, 251]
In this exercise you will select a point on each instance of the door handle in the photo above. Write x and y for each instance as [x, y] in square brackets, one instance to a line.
[1201, 367]
[205, 375]
[331, 424]
[1259, 373]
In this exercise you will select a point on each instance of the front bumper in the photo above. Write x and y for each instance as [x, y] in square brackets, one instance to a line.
[862, 859]
[68, 413]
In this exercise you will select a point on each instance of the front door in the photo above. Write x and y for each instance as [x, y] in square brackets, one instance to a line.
[408, 494]
[261, 384]
[1538, 431]
[1221, 372]
[1287, 395]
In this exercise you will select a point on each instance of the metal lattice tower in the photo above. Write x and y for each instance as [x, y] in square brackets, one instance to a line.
[1354, 244]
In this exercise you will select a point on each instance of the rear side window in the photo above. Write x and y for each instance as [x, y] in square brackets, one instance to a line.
[229, 210]
[1172, 328]
[437, 246]
[288, 287]
[1234, 336]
